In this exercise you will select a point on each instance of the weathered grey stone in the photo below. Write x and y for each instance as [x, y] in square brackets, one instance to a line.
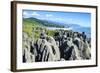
[61, 47]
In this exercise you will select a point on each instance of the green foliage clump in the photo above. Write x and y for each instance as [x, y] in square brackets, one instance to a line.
[51, 32]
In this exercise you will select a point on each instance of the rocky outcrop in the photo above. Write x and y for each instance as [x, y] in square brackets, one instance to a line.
[64, 45]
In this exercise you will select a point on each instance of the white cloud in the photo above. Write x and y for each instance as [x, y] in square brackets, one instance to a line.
[25, 13]
[35, 14]
[32, 14]
[59, 19]
[70, 19]
[48, 15]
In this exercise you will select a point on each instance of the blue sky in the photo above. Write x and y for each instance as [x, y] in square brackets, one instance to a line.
[82, 19]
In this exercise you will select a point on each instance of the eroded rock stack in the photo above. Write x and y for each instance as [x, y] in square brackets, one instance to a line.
[63, 46]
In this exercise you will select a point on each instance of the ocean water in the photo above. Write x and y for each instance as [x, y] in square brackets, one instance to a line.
[87, 30]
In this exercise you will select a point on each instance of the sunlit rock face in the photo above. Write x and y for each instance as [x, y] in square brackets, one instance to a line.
[62, 46]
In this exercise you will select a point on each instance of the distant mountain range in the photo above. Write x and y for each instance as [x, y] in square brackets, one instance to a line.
[45, 23]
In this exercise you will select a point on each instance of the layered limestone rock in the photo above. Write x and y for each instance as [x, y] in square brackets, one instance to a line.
[61, 47]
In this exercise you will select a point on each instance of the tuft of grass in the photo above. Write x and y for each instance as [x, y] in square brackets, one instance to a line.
[28, 29]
